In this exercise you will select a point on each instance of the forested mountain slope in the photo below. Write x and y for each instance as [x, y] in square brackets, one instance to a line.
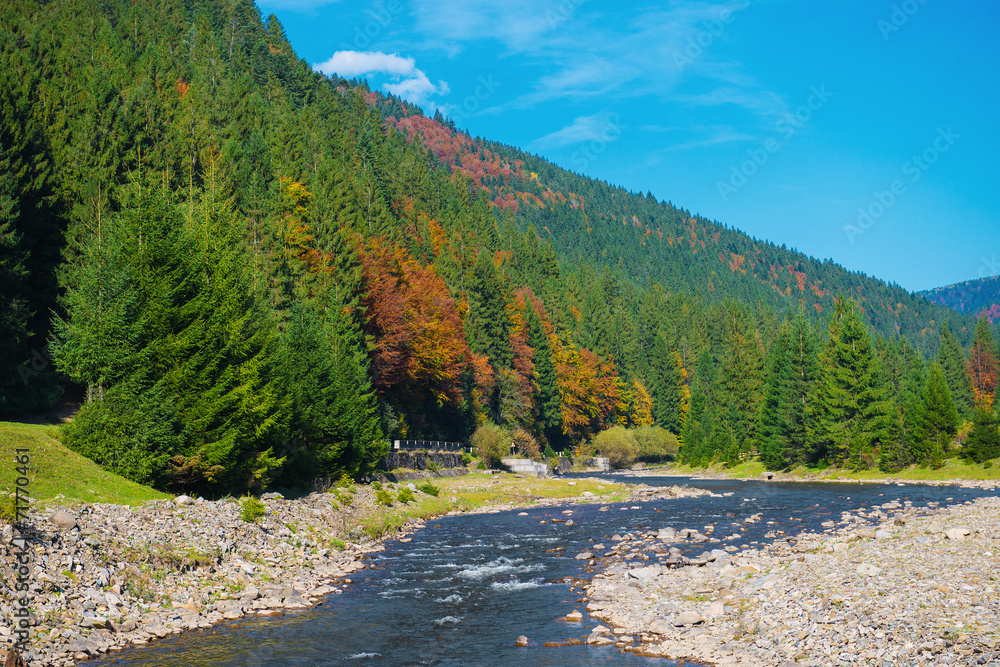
[979, 297]
[644, 240]
[253, 273]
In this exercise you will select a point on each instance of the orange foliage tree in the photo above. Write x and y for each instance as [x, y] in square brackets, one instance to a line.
[420, 351]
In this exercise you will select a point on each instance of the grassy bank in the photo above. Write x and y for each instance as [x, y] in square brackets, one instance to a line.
[479, 490]
[953, 469]
[56, 470]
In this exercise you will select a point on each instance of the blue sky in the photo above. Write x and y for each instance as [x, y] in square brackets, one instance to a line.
[864, 131]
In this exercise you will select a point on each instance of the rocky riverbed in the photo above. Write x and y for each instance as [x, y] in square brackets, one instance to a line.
[104, 576]
[895, 585]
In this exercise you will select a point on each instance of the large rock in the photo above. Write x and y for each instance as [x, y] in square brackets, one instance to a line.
[956, 533]
[521, 641]
[184, 500]
[688, 618]
[63, 519]
[645, 573]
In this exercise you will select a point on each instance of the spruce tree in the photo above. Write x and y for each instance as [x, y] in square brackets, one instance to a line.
[983, 443]
[772, 428]
[546, 397]
[952, 360]
[940, 419]
[796, 408]
[854, 419]
[670, 394]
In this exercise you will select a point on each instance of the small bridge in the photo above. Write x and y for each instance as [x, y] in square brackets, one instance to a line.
[429, 445]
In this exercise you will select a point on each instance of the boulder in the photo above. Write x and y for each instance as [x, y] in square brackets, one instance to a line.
[645, 573]
[956, 533]
[521, 641]
[586, 555]
[688, 618]
[574, 616]
[63, 519]
[184, 500]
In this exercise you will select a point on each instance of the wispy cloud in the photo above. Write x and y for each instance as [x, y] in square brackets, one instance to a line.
[406, 82]
[588, 54]
[582, 129]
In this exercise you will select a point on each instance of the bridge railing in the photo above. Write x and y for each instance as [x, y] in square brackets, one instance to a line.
[431, 445]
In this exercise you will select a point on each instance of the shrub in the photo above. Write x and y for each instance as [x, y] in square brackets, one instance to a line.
[549, 452]
[429, 489]
[383, 497]
[655, 444]
[618, 444]
[376, 485]
[433, 467]
[466, 458]
[527, 446]
[8, 508]
[405, 495]
[251, 508]
[492, 443]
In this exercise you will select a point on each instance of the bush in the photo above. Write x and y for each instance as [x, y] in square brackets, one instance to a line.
[405, 496]
[466, 458]
[492, 443]
[251, 508]
[655, 444]
[549, 452]
[8, 508]
[383, 497]
[376, 485]
[618, 444]
[429, 489]
[527, 446]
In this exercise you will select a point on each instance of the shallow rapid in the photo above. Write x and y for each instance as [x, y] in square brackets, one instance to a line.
[467, 586]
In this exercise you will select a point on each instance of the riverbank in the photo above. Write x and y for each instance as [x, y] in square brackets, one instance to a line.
[105, 576]
[920, 587]
[955, 472]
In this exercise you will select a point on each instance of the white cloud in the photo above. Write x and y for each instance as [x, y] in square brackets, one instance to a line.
[604, 125]
[407, 81]
[350, 64]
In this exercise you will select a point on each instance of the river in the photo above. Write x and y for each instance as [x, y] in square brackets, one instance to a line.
[463, 589]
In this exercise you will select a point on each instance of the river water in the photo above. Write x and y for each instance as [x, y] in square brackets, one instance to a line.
[465, 587]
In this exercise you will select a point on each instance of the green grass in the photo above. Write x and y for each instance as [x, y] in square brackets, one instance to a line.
[57, 470]
[953, 469]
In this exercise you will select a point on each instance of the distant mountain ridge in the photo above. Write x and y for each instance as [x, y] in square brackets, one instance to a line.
[979, 297]
[644, 241]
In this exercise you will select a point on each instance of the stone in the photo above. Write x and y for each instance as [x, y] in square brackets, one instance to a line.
[184, 500]
[63, 520]
[882, 534]
[586, 555]
[574, 616]
[645, 573]
[957, 533]
[521, 641]
[688, 618]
